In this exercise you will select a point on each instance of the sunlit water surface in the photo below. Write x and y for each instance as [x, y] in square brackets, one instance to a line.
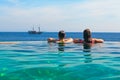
[38, 60]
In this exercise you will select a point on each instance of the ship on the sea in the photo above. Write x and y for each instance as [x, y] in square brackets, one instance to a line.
[34, 31]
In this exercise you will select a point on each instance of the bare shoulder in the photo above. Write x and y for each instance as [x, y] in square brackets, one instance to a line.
[68, 40]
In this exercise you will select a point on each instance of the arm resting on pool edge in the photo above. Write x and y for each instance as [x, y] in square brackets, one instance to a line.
[51, 40]
[98, 40]
[78, 41]
[94, 39]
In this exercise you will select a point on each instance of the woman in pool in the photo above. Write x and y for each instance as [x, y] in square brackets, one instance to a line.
[88, 41]
[88, 38]
[61, 39]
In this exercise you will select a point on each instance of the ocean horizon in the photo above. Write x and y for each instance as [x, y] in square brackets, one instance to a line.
[25, 36]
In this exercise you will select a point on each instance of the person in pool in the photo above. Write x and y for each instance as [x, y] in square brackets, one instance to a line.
[88, 38]
[62, 39]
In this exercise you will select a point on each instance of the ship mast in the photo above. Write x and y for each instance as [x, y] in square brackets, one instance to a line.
[39, 29]
[33, 28]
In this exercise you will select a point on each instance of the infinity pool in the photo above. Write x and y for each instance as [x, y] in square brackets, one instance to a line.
[38, 60]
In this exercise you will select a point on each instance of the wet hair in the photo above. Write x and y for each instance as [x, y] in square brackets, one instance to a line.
[87, 35]
[61, 34]
[87, 40]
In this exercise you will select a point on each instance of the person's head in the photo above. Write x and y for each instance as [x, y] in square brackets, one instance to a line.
[87, 39]
[61, 34]
[87, 35]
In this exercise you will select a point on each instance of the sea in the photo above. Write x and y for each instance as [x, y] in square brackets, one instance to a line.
[24, 36]
[33, 58]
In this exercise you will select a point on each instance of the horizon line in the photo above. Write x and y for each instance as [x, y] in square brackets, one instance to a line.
[68, 31]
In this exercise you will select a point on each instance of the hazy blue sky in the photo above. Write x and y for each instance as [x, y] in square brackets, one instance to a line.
[54, 15]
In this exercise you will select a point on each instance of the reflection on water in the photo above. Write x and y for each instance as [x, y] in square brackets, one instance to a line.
[87, 52]
[61, 46]
[88, 57]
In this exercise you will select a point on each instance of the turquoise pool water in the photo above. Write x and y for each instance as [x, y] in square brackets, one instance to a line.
[38, 60]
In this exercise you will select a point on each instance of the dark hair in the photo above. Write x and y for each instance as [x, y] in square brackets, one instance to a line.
[87, 40]
[61, 34]
[87, 35]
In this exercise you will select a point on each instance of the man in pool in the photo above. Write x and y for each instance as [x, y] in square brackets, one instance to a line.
[61, 36]
[88, 38]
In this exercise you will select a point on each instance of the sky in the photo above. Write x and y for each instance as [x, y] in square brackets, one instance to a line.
[55, 15]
